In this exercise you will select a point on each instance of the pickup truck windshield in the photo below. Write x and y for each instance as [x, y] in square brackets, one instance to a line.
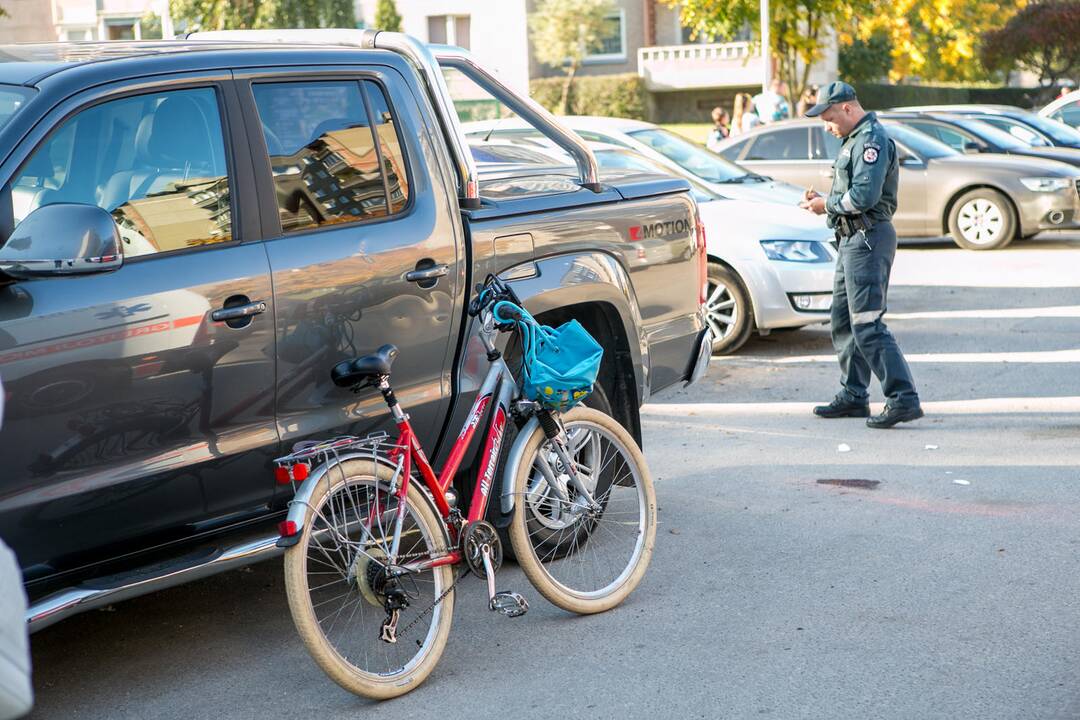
[692, 158]
[12, 99]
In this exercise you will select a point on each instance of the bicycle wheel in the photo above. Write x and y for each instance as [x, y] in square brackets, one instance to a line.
[582, 560]
[336, 584]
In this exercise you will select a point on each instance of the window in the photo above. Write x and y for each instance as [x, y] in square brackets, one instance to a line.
[611, 44]
[12, 99]
[449, 30]
[156, 162]
[732, 152]
[695, 159]
[120, 29]
[826, 146]
[790, 144]
[327, 166]
[952, 138]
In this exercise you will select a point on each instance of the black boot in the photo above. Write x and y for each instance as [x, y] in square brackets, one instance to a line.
[842, 408]
[893, 415]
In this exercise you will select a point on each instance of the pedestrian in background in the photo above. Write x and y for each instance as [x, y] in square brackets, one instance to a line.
[744, 116]
[807, 101]
[771, 104]
[860, 207]
[721, 128]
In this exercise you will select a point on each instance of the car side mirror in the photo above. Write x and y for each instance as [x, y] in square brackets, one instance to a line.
[62, 239]
[906, 158]
[972, 148]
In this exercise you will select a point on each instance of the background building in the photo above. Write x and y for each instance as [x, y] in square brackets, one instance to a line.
[72, 20]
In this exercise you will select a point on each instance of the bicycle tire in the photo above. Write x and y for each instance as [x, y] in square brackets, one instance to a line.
[377, 686]
[632, 492]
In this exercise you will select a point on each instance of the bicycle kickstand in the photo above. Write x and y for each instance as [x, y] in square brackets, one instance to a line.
[510, 604]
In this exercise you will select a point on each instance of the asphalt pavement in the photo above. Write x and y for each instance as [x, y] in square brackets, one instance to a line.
[804, 568]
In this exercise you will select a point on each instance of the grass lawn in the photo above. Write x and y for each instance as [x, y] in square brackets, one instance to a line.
[698, 132]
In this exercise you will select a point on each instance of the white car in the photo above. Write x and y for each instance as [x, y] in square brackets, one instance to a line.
[1065, 109]
[770, 264]
[673, 151]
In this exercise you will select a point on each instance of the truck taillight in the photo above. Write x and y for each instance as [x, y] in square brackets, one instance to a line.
[703, 264]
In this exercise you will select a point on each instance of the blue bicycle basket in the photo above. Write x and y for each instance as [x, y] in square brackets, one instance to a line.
[559, 365]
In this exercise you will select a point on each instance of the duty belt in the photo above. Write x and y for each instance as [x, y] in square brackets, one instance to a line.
[851, 224]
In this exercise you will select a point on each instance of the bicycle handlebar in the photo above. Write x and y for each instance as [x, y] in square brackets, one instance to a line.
[490, 292]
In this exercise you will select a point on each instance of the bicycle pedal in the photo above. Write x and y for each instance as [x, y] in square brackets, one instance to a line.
[510, 604]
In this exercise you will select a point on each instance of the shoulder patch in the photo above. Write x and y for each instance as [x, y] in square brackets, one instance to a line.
[870, 155]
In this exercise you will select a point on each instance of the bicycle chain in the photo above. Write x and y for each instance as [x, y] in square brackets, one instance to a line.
[447, 591]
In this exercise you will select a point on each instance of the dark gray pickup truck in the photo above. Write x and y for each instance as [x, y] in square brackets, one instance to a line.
[282, 201]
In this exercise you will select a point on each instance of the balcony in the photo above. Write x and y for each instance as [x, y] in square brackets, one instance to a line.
[689, 67]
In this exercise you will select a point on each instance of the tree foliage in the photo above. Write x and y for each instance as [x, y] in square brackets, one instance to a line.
[1043, 38]
[866, 60]
[937, 40]
[387, 17]
[563, 32]
[248, 14]
[800, 30]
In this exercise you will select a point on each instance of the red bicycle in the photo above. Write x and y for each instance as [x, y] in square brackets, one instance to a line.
[373, 556]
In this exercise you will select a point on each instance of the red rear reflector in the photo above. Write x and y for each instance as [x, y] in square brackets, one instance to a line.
[281, 474]
[287, 528]
[300, 471]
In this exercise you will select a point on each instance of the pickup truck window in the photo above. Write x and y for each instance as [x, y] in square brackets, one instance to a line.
[327, 166]
[156, 162]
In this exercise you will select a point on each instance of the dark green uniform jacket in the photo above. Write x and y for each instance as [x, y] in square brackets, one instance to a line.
[866, 174]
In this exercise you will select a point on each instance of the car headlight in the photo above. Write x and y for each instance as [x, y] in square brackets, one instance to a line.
[1046, 184]
[807, 251]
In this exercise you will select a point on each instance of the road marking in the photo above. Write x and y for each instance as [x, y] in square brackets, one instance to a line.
[1059, 311]
[1039, 357]
[981, 406]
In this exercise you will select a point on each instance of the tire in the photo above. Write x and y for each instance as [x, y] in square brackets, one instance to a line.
[982, 219]
[727, 292]
[539, 550]
[358, 475]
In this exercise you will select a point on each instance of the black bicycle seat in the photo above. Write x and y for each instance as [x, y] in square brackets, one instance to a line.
[351, 372]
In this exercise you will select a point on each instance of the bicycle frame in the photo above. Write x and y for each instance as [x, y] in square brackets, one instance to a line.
[498, 386]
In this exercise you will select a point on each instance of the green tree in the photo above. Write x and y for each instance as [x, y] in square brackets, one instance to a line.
[150, 26]
[1043, 38]
[247, 14]
[386, 16]
[866, 60]
[799, 30]
[563, 32]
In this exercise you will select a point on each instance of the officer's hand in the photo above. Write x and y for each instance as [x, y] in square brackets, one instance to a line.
[810, 194]
[815, 205]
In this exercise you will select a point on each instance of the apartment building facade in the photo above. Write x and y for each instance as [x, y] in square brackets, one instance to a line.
[74, 20]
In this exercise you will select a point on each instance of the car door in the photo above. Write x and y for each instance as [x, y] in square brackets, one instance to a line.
[363, 249]
[784, 153]
[133, 416]
[910, 218]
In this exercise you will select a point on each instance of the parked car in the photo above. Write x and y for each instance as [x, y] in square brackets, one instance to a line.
[193, 234]
[969, 135]
[770, 265]
[1025, 126]
[667, 148]
[982, 201]
[1065, 109]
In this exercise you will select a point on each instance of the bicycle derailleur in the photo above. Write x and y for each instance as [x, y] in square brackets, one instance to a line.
[482, 551]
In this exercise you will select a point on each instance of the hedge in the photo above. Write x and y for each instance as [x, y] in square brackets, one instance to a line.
[622, 96]
[876, 96]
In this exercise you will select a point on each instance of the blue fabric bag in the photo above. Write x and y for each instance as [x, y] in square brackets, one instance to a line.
[559, 365]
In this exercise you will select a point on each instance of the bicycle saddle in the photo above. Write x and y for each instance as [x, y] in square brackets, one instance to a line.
[351, 372]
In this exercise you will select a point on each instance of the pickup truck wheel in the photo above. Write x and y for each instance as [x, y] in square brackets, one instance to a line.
[982, 219]
[728, 308]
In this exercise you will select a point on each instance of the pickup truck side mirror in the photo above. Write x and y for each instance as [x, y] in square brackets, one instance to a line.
[62, 239]
[972, 148]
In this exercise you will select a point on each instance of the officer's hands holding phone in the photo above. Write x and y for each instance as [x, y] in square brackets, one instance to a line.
[813, 201]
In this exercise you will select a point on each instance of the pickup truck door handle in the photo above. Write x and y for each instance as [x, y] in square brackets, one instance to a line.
[238, 312]
[428, 273]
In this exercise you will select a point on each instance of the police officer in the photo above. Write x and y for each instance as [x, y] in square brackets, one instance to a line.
[860, 208]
